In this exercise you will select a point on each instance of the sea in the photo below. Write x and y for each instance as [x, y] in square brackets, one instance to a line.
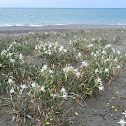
[61, 16]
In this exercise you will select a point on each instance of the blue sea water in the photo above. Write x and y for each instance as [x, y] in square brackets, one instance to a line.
[40, 17]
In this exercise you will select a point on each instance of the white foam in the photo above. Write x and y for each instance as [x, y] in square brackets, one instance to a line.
[31, 25]
[11, 25]
[117, 24]
[35, 25]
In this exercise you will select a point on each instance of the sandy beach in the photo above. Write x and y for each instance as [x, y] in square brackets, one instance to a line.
[100, 113]
[20, 30]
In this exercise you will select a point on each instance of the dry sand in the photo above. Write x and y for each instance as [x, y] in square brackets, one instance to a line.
[25, 29]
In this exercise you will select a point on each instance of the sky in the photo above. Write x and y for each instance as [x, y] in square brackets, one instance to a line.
[63, 3]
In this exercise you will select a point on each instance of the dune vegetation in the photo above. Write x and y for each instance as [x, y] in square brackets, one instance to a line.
[41, 76]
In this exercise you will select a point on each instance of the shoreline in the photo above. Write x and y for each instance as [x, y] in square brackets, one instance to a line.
[22, 30]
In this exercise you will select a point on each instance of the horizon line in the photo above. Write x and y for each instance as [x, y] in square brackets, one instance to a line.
[59, 8]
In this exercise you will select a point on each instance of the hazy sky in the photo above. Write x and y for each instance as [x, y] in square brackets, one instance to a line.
[64, 3]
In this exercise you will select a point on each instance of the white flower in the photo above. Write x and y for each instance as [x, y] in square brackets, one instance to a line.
[65, 50]
[96, 70]
[84, 63]
[78, 74]
[108, 46]
[51, 76]
[68, 68]
[101, 88]
[23, 86]
[3, 52]
[79, 54]
[44, 48]
[12, 90]
[0, 65]
[118, 66]
[49, 52]
[9, 54]
[115, 60]
[113, 50]
[44, 67]
[53, 95]
[122, 122]
[61, 48]
[12, 60]
[107, 59]
[10, 81]
[51, 71]
[56, 43]
[70, 42]
[124, 113]
[50, 45]
[42, 70]
[90, 45]
[92, 53]
[104, 52]
[46, 33]
[64, 95]
[33, 84]
[97, 52]
[106, 70]
[74, 49]
[76, 70]
[99, 80]
[10, 46]
[14, 42]
[20, 56]
[42, 89]
[63, 90]
[118, 52]
[46, 52]
[36, 47]
[95, 55]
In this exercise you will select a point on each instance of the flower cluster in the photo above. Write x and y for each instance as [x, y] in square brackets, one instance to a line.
[50, 48]
[104, 60]
[98, 83]
[44, 70]
[10, 56]
[71, 69]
